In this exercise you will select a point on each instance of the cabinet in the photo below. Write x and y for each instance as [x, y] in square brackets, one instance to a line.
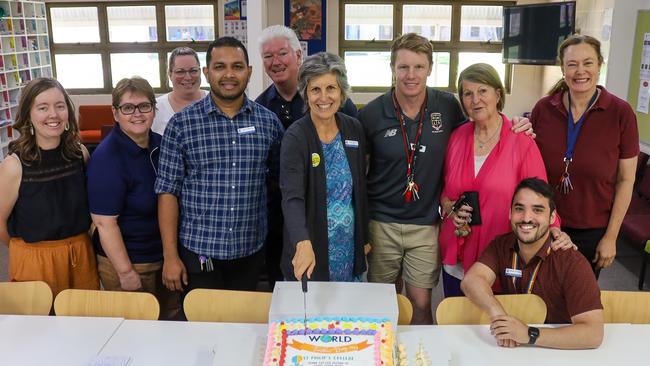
[24, 56]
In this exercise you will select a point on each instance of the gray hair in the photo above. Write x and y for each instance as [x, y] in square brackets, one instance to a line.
[320, 64]
[181, 51]
[279, 31]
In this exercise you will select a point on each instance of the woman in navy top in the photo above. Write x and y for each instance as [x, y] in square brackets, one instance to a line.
[123, 204]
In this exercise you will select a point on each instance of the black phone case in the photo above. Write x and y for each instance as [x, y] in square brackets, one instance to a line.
[471, 198]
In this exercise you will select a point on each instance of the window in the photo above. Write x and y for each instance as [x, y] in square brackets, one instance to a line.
[95, 44]
[462, 33]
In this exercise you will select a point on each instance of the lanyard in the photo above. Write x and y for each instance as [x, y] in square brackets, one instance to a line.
[573, 130]
[533, 277]
[412, 188]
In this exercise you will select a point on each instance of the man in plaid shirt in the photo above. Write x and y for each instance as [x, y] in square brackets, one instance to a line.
[214, 160]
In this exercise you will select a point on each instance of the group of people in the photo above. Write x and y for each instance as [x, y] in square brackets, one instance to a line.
[300, 183]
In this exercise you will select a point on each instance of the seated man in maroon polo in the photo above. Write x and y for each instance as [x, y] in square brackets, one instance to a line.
[522, 262]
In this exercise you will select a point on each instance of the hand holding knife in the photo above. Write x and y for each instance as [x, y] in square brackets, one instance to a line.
[303, 280]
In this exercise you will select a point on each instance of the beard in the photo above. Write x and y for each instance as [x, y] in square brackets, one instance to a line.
[539, 231]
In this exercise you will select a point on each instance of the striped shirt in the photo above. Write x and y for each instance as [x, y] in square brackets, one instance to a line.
[217, 166]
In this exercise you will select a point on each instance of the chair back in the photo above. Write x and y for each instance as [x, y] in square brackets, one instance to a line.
[626, 306]
[228, 306]
[25, 298]
[644, 185]
[93, 117]
[528, 308]
[405, 310]
[115, 304]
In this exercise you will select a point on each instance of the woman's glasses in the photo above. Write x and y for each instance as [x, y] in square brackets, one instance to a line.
[129, 108]
[181, 72]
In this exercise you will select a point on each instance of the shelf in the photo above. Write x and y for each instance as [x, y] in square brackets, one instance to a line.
[24, 56]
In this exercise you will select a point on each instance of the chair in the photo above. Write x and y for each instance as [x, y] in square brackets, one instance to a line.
[528, 308]
[25, 298]
[91, 120]
[635, 223]
[205, 305]
[405, 310]
[626, 306]
[116, 304]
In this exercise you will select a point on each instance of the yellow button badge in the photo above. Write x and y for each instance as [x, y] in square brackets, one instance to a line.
[315, 160]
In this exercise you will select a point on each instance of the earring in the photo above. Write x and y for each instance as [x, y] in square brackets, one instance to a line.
[31, 129]
[67, 127]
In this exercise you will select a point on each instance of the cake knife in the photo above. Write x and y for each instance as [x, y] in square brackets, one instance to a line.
[303, 279]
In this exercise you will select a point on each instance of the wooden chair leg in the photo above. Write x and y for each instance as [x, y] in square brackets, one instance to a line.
[644, 262]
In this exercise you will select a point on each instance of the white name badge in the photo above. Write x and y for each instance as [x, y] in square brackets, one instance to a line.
[352, 143]
[510, 272]
[246, 130]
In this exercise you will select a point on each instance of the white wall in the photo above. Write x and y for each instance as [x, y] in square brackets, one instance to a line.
[623, 33]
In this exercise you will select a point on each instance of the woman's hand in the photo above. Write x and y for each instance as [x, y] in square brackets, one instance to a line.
[462, 216]
[522, 124]
[605, 252]
[130, 281]
[304, 259]
[367, 248]
[561, 240]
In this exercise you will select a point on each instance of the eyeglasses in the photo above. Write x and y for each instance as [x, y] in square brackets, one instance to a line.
[129, 108]
[181, 72]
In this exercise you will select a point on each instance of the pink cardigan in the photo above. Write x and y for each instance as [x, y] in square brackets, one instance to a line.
[514, 158]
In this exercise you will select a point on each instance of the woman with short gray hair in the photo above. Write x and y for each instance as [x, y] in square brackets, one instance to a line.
[322, 179]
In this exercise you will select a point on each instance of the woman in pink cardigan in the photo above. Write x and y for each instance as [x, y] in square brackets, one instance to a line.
[484, 156]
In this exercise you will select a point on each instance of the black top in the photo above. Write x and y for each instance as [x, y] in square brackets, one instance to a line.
[387, 164]
[304, 192]
[290, 111]
[52, 201]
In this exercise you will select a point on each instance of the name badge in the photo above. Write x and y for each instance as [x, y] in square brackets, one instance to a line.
[246, 130]
[510, 272]
[352, 143]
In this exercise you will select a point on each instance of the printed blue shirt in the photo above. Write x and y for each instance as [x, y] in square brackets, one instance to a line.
[217, 167]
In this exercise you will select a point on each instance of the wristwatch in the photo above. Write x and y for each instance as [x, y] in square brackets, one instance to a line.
[533, 333]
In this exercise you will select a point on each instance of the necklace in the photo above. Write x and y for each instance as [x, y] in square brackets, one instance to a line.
[482, 143]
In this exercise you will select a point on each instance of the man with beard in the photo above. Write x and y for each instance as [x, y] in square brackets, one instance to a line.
[214, 160]
[522, 262]
[282, 56]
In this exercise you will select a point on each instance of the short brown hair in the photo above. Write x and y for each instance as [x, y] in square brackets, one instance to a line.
[25, 145]
[483, 74]
[412, 42]
[135, 85]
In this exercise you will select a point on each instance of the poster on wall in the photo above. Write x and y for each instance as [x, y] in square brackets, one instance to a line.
[644, 72]
[235, 20]
[307, 19]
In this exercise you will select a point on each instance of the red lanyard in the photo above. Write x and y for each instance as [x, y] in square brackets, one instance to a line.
[533, 277]
[411, 153]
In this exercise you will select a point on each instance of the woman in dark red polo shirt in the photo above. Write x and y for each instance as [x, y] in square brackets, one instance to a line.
[589, 141]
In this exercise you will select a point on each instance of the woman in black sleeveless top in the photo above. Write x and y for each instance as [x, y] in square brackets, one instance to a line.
[44, 210]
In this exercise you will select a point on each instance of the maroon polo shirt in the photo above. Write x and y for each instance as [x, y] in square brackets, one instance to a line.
[609, 133]
[564, 281]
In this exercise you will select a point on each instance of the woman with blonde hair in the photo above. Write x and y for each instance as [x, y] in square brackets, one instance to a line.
[589, 141]
[44, 210]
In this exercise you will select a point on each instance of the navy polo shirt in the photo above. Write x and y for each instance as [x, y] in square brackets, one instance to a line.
[291, 111]
[121, 177]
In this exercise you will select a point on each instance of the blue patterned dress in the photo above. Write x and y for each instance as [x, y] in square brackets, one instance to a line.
[340, 212]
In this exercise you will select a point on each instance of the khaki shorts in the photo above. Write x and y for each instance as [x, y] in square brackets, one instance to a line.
[151, 279]
[62, 264]
[409, 250]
